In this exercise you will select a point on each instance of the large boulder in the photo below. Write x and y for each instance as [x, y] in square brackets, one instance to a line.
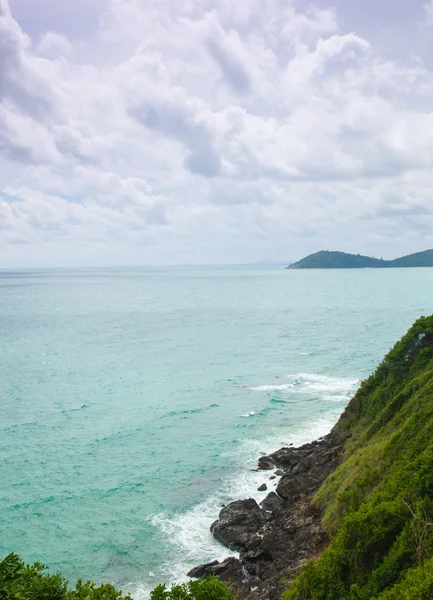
[273, 503]
[202, 570]
[238, 525]
[266, 463]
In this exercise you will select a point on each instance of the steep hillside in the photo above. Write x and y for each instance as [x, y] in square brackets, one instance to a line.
[378, 504]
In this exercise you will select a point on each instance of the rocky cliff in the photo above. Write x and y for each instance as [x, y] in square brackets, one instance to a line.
[352, 514]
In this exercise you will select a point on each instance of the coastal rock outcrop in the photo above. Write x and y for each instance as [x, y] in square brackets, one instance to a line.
[274, 539]
[273, 503]
[238, 525]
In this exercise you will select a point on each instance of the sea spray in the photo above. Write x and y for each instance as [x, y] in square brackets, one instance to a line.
[188, 537]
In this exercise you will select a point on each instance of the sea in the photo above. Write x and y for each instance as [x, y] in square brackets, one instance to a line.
[134, 402]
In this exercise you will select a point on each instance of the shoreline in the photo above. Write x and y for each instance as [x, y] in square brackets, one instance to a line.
[277, 537]
[190, 540]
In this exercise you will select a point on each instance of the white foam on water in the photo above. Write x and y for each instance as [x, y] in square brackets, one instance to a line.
[189, 541]
[188, 538]
[271, 388]
[323, 382]
[329, 388]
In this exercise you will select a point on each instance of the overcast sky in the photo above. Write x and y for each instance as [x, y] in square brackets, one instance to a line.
[213, 131]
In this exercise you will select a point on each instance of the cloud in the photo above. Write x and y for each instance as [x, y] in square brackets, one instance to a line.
[429, 13]
[202, 128]
[232, 70]
[54, 44]
[26, 96]
[179, 119]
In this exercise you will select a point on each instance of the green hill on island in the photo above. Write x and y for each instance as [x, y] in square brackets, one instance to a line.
[326, 259]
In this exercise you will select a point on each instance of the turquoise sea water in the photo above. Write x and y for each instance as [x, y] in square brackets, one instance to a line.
[134, 402]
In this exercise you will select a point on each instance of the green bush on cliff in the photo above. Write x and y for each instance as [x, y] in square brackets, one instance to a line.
[417, 584]
[378, 505]
[19, 581]
[201, 589]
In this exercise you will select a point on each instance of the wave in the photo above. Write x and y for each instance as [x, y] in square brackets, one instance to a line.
[188, 411]
[324, 386]
[187, 537]
[279, 401]
[271, 388]
[68, 410]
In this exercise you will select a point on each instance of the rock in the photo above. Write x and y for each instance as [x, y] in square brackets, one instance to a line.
[202, 570]
[303, 465]
[238, 524]
[281, 534]
[239, 579]
[272, 503]
[266, 463]
[262, 488]
[223, 567]
[285, 457]
[295, 488]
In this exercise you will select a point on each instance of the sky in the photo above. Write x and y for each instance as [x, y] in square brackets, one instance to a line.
[164, 132]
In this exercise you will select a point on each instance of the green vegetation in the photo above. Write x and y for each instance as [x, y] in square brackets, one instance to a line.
[19, 581]
[419, 259]
[341, 260]
[337, 260]
[378, 505]
[201, 589]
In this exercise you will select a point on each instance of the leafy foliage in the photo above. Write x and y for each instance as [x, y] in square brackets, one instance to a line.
[202, 589]
[24, 582]
[378, 505]
[10, 578]
[416, 585]
[19, 581]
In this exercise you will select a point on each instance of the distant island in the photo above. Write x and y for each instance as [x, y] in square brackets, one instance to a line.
[341, 260]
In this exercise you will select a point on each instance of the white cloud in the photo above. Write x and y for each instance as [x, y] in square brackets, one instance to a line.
[205, 129]
[54, 45]
[429, 13]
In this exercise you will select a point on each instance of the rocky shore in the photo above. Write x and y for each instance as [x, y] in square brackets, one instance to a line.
[276, 537]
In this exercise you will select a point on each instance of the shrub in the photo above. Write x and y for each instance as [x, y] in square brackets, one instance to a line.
[201, 589]
[32, 582]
